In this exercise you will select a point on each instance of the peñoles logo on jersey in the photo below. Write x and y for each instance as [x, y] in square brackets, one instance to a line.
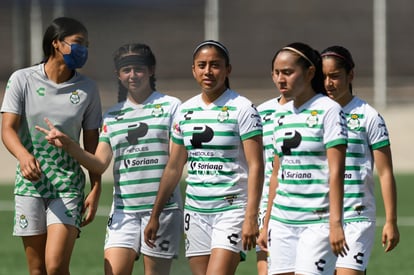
[201, 134]
[136, 131]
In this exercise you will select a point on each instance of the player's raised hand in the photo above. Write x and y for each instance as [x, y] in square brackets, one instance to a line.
[53, 135]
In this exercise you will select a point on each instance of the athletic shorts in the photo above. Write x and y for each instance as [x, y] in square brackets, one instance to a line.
[33, 214]
[300, 249]
[127, 230]
[360, 239]
[203, 232]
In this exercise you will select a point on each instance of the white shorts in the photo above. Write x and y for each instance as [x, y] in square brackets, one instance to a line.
[33, 214]
[300, 249]
[203, 232]
[360, 239]
[127, 230]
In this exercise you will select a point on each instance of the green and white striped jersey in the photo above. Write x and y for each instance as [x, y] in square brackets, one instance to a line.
[302, 137]
[266, 111]
[366, 132]
[71, 106]
[139, 135]
[213, 136]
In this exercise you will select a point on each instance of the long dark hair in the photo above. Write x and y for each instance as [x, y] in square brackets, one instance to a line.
[59, 29]
[146, 57]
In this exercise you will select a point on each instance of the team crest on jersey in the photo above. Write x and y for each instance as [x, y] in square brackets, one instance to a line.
[354, 122]
[74, 97]
[224, 114]
[158, 111]
[23, 221]
[312, 120]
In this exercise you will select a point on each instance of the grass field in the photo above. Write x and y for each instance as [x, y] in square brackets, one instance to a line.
[88, 254]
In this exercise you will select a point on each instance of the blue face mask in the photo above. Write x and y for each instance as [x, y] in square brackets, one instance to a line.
[77, 56]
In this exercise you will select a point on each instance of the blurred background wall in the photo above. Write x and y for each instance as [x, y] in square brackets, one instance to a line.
[252, 30]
